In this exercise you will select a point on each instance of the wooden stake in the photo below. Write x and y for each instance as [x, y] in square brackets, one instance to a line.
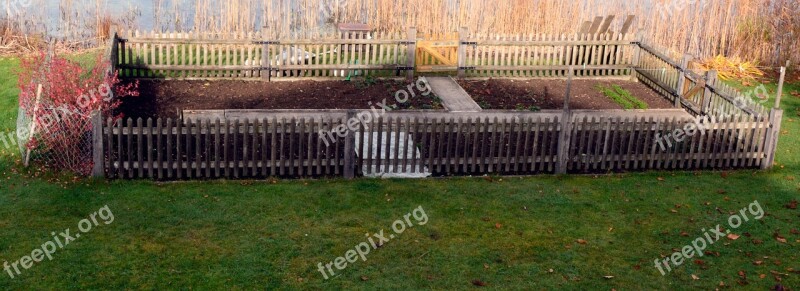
[98, 159]
[33, 122]
[780, 86]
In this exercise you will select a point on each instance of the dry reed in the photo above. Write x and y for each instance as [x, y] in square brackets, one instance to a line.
[756, 30]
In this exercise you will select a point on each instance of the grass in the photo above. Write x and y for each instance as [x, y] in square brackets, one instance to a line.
[622, 97]
[509, 233]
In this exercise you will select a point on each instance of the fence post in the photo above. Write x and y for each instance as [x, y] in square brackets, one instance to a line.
[775, 118]
[682, 80]
[114, 54]
[566, 129]
[265, 61]
[781, 80]
[350, 148]
[463, 34]
[711, 77]
[411, 53]
[98, 160]
[773, 133]
[637, 51]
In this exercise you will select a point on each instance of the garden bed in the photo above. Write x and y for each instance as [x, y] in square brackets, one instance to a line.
[165, 98]
[549, 94]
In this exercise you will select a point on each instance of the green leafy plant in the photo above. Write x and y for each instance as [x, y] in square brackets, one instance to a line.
[622, 97]
[367, 82]
[483, 104]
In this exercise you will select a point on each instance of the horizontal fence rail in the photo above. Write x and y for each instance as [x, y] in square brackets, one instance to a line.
[451, 144]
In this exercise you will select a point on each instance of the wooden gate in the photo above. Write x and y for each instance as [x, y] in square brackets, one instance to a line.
[437, 53]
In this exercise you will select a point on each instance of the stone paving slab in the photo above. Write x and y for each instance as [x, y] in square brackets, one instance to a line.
[454, 98]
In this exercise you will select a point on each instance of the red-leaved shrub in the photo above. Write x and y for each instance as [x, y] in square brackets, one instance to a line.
[59, 125]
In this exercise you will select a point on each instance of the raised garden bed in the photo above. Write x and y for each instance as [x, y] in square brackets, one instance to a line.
[162, 98]
[549, 94]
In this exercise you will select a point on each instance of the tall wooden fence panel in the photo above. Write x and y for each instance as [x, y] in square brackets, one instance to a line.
[249, 56]
[439, 144]
[544, 55]
[675, 80]
[460, 145]
[203, 149]
[634, 143]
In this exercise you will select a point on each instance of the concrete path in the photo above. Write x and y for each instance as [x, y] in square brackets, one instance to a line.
[454, 98]
[387, 168]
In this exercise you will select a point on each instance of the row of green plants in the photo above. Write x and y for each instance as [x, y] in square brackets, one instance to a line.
[622, 97]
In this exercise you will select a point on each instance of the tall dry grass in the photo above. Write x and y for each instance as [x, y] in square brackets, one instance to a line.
[759, 30]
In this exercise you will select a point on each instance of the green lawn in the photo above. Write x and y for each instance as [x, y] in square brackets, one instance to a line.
[512, 233]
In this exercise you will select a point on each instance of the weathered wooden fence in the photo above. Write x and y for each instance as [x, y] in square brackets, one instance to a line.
[442, 144]
[338, 55]
[722, 129]
[542, 55]
[249, 56]
[676, 81]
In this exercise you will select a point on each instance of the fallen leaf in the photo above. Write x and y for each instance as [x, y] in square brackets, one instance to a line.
[792, 205]
[758, 263]
[478, 283]
[673, 211]
[794, 231]
[581, 241]
[699, 262]
[608, 277]
[364, 278]
[695, 277]
[486, 266]
[498, 226]
[733, 236]
[780, 238]
[683, 233]
[762, 276]
[661, 179]
[757, 241]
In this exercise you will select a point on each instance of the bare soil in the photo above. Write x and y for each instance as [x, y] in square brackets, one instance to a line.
[166, 98]
[549, 94]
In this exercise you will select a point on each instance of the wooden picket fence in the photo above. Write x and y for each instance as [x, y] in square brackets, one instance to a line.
[249, 56]
[441, 144]
[544, 55]
[674, 80]
[738, 132]
[190, 55]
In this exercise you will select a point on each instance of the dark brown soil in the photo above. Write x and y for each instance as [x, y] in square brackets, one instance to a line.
[549, 94]
[160, 98]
